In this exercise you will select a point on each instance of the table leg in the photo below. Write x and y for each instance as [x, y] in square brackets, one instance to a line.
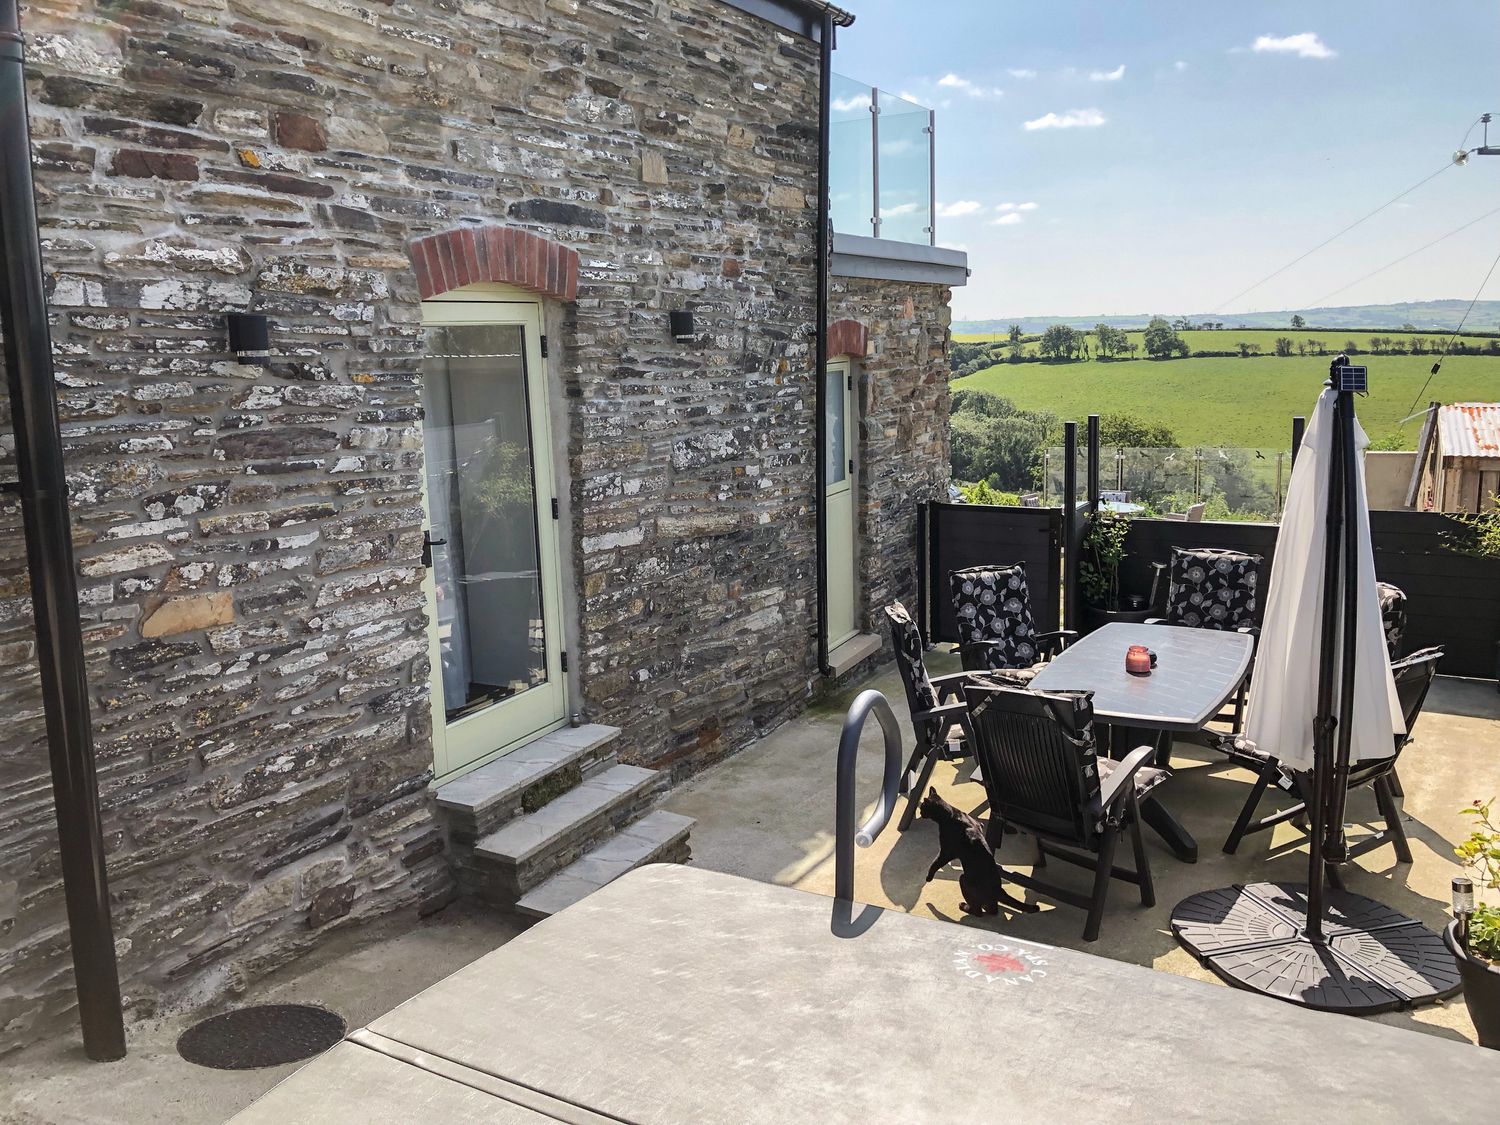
[1153, 813]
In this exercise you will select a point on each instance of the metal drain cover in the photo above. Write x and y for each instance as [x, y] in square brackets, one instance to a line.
[261, 1035]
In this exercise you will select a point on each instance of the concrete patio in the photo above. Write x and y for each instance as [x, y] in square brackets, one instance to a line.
[768, 812]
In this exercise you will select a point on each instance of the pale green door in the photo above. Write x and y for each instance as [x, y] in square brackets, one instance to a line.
[843, 581]
[494, 610]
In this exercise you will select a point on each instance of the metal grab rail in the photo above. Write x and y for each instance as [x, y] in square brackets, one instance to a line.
[845, 836]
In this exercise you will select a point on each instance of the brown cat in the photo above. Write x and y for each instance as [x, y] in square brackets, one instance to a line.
[962, 837]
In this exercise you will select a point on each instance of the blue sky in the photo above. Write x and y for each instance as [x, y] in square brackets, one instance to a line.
[1163, 156]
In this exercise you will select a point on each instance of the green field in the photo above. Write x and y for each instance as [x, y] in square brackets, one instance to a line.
[1229, 401]
[1225, 340]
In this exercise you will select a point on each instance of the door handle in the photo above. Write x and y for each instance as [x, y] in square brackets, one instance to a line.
[428, 543]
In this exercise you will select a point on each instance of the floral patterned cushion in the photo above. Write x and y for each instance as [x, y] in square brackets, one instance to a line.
[907, 641]
[1392, 615]
[992, 604]
[1211, 589]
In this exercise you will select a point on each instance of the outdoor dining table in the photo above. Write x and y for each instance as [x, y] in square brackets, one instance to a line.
[1197, 671]
[678, 995]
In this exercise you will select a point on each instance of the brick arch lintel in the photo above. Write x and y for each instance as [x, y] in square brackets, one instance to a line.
[848, 337]
[451, 259]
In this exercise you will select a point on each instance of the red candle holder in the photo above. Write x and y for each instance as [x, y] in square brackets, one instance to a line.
[1138, 660]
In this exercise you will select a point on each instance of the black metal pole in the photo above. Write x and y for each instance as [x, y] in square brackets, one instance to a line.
[49, 556]
[820, 356]
[1093, 455]
[1324, 721]
[1335, 846]
[1070, 515]
[1299, 427]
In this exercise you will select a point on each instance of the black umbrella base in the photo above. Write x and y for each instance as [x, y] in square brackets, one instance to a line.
[1371, 959]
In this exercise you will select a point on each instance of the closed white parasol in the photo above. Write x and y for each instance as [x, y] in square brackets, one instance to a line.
[1284, 685]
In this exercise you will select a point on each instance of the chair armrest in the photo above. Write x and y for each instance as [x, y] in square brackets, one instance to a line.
[1156, 621]
[1122, 780]
[1062, 638]
[950, 711]
[950, 685]
[1250, 631]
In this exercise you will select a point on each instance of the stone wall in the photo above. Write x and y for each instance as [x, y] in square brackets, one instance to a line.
[903, 396]
[248, 538]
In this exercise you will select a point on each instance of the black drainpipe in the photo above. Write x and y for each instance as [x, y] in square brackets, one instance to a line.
[820, 389]
[42, 488]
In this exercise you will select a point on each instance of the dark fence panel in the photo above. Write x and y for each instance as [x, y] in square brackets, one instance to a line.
[964, 535]
[1453, 599]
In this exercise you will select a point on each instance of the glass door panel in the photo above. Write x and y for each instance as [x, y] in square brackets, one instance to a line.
[839, 497]
[491, 543]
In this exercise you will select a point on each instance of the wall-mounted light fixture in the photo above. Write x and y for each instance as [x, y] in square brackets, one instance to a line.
[682, 325]
[250, 338]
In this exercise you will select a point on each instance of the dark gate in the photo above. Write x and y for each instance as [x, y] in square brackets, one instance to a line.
[964, 535]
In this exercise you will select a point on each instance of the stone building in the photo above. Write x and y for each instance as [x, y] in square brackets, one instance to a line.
[477, 491]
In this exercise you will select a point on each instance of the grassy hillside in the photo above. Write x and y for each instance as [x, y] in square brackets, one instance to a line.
[1233, 401]
[1226, 340]
[1432, 315]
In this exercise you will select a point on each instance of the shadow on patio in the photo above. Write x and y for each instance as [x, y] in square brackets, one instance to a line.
[768, 814]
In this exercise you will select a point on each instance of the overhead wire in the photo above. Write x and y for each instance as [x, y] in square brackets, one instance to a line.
[1398, 261]
[1334, 237]
[1456, 331]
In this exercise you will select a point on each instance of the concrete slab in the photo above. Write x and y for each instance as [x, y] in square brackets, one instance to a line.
[767, 813]
[676, 995]
[358, 973]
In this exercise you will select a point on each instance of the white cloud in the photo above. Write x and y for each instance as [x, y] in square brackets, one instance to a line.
[973, 89]
[958, 209]
[1107, 75]
[1027, 206]
[1009, 219]
[1307, 45]
[1072, 119]
[1180, 65]
[1021, 73]
[854, 101]
[899, 209]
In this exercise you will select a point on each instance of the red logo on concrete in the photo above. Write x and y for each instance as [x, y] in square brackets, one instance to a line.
[1000, 963]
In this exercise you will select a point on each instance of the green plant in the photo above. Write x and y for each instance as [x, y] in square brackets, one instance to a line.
[980, 492]
[1478, 535]
[1103, 551]
[1481, 855]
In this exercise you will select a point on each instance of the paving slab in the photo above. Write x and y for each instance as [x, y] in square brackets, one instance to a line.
[700, 997]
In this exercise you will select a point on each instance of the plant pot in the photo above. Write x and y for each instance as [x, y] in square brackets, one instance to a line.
[1096, 618]
[1481, 988]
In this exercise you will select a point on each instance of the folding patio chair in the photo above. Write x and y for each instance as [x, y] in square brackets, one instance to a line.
[1392, 616]
[1043, 775]
[936, 705]
[1209, 588]
[992, 605]
[1414, 675]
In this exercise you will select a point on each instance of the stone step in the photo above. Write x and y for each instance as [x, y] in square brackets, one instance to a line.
[520, 854]
[524, 780]
[659, 836]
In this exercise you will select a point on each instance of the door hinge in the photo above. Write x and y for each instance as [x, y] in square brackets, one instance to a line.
[851, 382]
[544, 346]
[564, 655]
[556, 509]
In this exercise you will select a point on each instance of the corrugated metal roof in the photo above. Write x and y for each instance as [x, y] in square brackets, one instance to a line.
[1470, 429]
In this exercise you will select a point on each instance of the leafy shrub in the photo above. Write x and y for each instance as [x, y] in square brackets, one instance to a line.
[1481, 855]
[980, 492]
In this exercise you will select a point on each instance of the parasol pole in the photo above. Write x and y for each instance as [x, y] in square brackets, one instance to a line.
[1335, 846]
